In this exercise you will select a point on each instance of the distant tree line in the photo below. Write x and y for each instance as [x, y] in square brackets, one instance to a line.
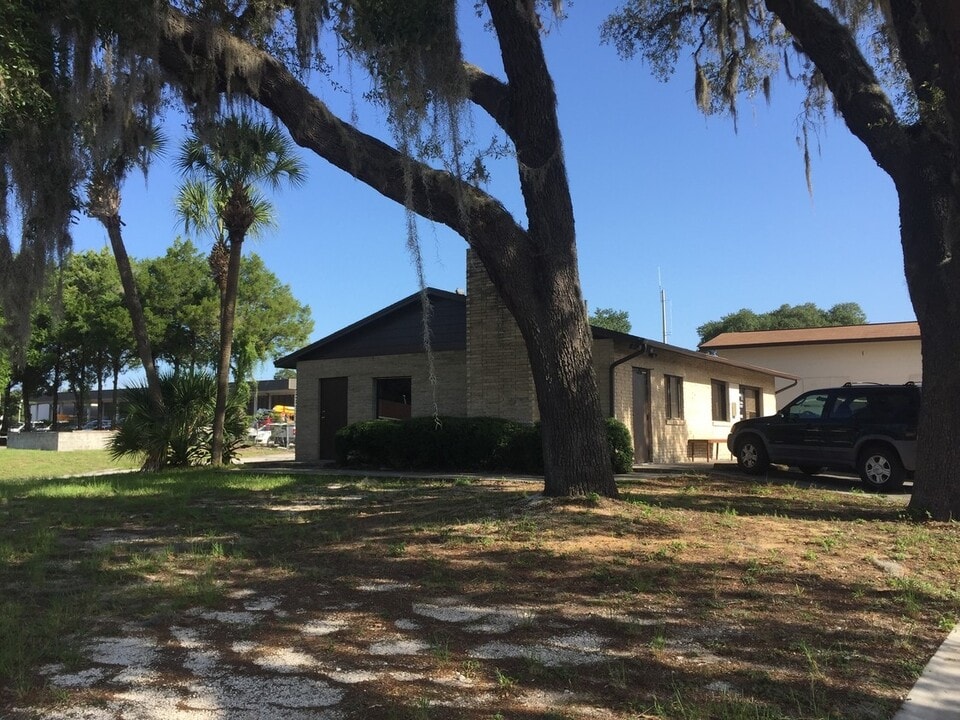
[785, 317]
[82, 336]
[611, 319]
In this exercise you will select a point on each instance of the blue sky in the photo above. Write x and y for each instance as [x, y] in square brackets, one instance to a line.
[724, 218]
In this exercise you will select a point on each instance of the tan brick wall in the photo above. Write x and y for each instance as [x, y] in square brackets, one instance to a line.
[670, 436]
[603, 357]
[361, 373]
[499, 381]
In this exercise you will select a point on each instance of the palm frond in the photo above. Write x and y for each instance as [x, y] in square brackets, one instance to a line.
[195, 205]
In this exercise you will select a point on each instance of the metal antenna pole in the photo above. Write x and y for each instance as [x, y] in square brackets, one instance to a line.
[663, 306]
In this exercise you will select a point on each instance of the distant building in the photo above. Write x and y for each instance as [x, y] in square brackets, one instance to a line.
[828, 356]
[269, 393]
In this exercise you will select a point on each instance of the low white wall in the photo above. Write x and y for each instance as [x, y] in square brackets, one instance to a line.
[64, 441]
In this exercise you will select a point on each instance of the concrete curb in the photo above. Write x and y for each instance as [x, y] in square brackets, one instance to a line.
[936, 696]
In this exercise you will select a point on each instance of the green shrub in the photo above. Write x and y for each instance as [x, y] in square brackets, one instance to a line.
[370, 442]
[621, 446]
[524, 451]
[427, 443]
[181, 435]
[453, 443]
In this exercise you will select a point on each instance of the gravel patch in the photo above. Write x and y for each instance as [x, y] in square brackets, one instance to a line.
[284, 660]
[398, 647]
[126, 651]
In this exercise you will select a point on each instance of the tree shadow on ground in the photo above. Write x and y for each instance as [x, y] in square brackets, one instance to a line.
[673, 588]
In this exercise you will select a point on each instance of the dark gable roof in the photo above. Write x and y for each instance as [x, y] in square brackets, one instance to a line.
[395, 330]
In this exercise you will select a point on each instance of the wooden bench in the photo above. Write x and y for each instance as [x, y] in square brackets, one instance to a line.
[708, 447]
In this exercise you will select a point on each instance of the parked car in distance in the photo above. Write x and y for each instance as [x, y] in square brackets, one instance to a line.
[870, 429]
[105, 424]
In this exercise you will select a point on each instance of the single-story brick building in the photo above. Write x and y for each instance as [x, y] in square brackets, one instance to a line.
[679, 404]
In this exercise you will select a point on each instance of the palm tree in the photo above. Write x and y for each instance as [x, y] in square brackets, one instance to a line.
[226, 165]
[108, 165]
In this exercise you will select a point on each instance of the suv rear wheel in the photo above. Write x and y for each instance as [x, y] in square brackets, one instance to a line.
[752, 455]
[880, 468]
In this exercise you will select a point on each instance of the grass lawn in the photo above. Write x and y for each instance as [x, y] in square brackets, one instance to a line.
[26, 464]
[294, 596]
[29, 464]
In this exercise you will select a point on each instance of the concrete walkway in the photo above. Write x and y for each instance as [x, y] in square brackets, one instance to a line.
[936, 696]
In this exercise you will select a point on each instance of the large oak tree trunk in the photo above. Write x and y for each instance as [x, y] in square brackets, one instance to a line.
[551, 315]
[930, 233]
[923, 161]
[543, 290]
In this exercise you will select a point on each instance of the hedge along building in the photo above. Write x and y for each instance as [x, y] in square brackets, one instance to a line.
[678, 404]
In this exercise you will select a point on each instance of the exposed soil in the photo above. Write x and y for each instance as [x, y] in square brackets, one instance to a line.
[694, 597]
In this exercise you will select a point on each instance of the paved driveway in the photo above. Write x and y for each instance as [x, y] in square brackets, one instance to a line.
[828, 480]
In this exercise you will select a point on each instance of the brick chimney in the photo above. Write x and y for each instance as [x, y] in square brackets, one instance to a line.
[499, 382]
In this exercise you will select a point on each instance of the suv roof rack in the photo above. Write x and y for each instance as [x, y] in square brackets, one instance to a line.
[908, 383]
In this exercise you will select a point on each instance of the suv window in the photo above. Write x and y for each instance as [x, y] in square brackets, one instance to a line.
[895, 408]
[876, 406]
[847, 405]
[806, 407]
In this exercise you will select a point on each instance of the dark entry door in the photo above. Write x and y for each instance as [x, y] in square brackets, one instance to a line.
[333, 412]
[641, 415]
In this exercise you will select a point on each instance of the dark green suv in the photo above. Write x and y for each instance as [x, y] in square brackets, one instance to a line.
[870, 429]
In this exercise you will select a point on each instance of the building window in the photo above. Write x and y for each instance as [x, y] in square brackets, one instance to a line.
[720, 397]
[393, 398]
[674, 388]
[750, 402]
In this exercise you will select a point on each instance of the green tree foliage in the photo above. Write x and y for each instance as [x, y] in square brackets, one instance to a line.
[95, 331]
[22, 53]
[785, 317]
[6, 378]
[616, 320]
[270, 320]
[35, 369]
[182, 307]
[181, 304]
